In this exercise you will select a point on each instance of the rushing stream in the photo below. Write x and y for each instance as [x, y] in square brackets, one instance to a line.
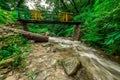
[98, 67]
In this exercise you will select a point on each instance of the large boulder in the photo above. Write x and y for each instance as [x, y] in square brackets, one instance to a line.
[71, 65]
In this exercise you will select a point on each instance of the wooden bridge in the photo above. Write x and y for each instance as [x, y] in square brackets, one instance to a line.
[39, 17]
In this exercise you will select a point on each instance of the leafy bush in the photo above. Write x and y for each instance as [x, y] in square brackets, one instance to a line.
[101, 25]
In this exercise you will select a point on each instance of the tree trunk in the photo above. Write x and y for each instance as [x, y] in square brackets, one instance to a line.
[28, 35]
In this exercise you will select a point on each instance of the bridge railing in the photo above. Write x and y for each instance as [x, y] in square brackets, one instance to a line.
[43, 16]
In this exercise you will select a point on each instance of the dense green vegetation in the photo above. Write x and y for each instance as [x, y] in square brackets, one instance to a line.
[100, 29]
[53, 30]
[101, 25]
[7, 16]
[13, 47]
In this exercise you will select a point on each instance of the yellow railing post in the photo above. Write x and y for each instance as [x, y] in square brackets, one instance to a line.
[64, 16]
[37, 15]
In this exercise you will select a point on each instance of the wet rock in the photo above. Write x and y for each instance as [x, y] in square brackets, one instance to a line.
[10, 73]
[55, 48]
[46, 44]
[71, 65]
[31, 41]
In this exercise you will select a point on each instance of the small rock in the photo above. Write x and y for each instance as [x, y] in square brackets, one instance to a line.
[46, 45]
[11, 78]
[58, 48]
[2, 77]
[24, 78]
[10, 73]
[31, 41]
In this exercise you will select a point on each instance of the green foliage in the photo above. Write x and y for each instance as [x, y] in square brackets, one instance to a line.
[15, 40]
[7, 16]
[12, 16]
[8, 9]
[59, 62]
[101, 25]
[69, 31]
[53, 30]
[16, 47]
[64, 31]
[10, 4]
[4, 4]
[38, 29]
[9, 52]
[2, 17]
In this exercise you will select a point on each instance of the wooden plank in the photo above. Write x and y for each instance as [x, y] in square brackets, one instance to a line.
[48, 22]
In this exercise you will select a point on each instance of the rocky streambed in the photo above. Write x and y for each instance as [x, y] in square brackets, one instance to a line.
[93, 65]
[62, 59]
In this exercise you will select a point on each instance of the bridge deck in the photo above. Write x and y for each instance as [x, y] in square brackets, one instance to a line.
[48, 22]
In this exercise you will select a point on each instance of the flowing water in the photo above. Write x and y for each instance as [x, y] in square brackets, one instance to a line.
[100, 68]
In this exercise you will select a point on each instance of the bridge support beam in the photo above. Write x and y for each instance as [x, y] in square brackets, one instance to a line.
[76, 32]
[25, 27]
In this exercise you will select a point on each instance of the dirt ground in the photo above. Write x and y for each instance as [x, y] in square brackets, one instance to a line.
[43, 63]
